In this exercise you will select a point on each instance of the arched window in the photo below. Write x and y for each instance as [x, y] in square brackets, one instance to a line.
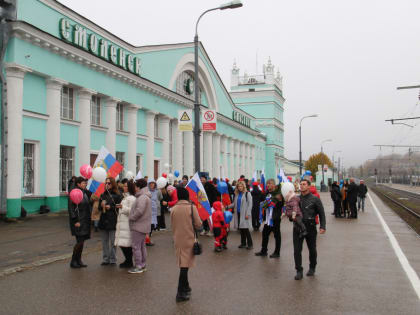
[185, 85]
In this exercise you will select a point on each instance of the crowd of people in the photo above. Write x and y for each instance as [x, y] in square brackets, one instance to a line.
[127, 213]
[348, 198]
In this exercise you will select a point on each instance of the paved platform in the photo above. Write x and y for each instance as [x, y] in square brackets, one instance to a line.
[358, 273]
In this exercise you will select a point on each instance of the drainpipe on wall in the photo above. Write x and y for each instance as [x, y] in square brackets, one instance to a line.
[8, 13]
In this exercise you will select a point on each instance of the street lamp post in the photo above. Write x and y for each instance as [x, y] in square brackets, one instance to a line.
[300, 142]
[334, 166]
[230, 5]
[322, 151]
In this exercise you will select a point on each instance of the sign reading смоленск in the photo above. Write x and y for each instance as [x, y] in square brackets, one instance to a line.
[80, 37]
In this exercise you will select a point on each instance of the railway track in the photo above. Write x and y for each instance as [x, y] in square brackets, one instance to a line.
[406, 204]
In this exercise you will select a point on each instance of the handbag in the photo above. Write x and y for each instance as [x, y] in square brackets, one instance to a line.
[197, 249]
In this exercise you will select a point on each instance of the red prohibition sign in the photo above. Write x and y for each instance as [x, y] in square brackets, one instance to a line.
[209, 116]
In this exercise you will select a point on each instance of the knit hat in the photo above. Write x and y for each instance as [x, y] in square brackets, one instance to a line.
[217, 206]
[170, 188]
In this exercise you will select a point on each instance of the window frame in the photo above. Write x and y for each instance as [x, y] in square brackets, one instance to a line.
[139, 163]
[69, 104]
[95, 110]
[70, 172]
[35, 168]
[119, 120]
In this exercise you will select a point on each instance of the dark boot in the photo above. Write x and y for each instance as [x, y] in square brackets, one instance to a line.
[79, 256]
[311, 272]
[299, 275]
[182, 297]
[74, 263]
[261, 253]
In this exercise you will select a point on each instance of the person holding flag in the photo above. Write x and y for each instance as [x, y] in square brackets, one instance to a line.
[242, 205]
[199, 197]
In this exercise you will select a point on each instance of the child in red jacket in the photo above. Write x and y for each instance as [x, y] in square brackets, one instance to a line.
[219, 227]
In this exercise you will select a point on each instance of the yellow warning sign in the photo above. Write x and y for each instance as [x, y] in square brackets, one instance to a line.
[185, 117]
[184, 120]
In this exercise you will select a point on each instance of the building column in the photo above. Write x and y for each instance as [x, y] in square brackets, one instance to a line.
[253, 166]
[231, 172]
[216, 155]
[237, 160]
[111, 117]
[188, 153]
[178, 151]
[14, 77]
[132, 137]
[150, 143]
[208, 153]
[224, 145]
[52, 158]
[247, 164]
[85, 98]
[164, 125]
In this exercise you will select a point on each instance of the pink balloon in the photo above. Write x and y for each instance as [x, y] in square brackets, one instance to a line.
[164, 175]
[86, 171]
[76, 196]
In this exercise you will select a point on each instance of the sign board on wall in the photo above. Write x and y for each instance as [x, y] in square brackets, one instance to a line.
[209, 120]
[185, 120]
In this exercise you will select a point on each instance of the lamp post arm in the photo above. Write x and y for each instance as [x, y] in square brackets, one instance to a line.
[196, 24]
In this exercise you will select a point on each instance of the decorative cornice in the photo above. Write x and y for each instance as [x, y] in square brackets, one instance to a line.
[123, 133]
[46, 41]
[99, 128]
[28, 113]
[15, 70]
[54, 83]
[144, 137]
[236, 125]
[70, 122]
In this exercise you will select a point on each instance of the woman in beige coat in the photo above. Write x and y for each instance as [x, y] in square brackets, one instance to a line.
[182, 229]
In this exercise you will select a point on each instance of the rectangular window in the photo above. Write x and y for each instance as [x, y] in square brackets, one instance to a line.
[138, 163]
[29, 169]
[156, 127]
[66, 166]
[120, 117]
[95, 110]
[67, 104]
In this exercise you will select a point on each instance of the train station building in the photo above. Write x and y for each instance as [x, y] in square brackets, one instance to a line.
[73, 87]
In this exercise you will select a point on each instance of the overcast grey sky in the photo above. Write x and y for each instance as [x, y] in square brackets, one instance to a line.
[340, 59]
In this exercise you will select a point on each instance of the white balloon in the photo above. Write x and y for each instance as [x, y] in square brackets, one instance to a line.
[99, 174]
[129, 175]
[161, 182]
[171, 176]
[166, 165]
[286, 187]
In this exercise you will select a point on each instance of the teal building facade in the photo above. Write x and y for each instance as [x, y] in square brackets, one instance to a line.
[73, 87]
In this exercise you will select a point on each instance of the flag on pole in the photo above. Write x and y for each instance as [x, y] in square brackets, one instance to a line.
[111, 166]
[199, 197]
[254, 178]
[282, 177]
[139, 175]
[262, 181]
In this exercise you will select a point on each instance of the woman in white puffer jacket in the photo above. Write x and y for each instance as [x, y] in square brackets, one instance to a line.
[123, 234]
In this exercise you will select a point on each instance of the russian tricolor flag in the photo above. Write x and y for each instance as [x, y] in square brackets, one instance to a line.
[262, 181]
[199, 197]
[110, 164]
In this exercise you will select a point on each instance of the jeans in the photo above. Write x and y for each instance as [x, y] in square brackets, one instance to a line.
[361, 201]
[310, 242]
[139, 248]
[265, 236]
[108, 247]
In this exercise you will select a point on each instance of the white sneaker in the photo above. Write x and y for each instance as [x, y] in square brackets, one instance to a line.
[136, 270]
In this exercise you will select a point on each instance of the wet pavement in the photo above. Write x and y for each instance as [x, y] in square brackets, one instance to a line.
[357, 273]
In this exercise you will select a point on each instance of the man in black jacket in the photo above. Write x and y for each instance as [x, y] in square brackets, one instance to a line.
[362, 195]
[336, 197]
[257, 198]
[273, 224]
[352, 193]
[311, 206]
